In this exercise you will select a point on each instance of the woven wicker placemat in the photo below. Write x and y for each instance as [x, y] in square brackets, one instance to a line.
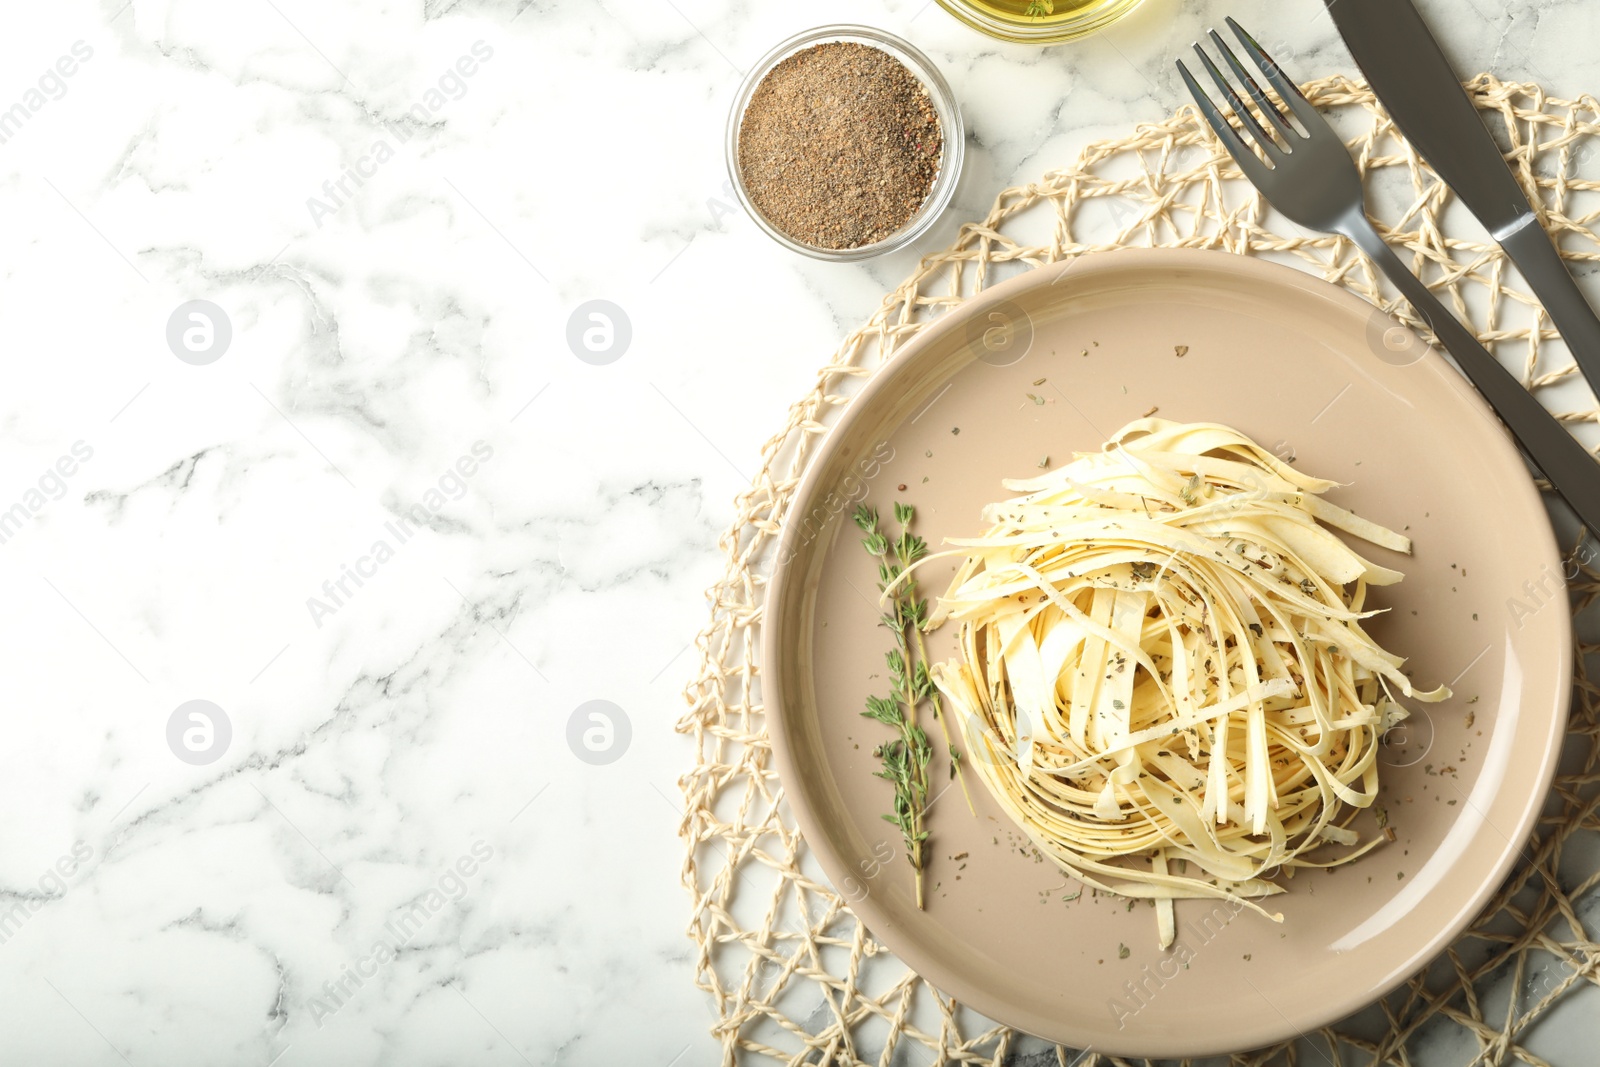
[793, 977]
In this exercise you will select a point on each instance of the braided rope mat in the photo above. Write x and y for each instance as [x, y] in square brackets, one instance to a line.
[793, 976]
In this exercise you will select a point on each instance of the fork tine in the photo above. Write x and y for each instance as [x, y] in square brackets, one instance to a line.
[1286, 88]
[1265, 105]
[1253, 168]
[1247, 120]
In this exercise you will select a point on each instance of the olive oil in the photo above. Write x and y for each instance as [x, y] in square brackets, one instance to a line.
[1039, 21]
[1037, 10]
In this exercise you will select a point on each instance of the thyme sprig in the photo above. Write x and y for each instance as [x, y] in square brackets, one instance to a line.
[905, 766]
[909, 549]
[905, 759]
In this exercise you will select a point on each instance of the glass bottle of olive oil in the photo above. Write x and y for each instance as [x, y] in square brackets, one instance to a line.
[1038, 21]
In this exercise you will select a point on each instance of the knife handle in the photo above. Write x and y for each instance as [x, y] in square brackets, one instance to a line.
[1535, 255]
[1566, 463]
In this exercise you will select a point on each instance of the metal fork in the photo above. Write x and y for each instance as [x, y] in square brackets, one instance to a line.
[1312, 180]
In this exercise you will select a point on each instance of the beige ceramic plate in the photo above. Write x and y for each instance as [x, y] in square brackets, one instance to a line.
[1302, 367]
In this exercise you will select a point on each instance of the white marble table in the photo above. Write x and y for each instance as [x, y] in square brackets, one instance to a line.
[390, 528]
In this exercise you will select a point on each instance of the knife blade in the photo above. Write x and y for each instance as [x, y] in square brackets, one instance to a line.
[1411, 76]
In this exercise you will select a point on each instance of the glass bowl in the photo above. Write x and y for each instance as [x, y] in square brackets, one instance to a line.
[944, 105]
[1076, 18]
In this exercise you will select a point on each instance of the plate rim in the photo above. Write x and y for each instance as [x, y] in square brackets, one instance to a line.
[876, 919]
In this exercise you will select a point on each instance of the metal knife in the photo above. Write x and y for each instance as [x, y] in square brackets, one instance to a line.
[1410, 75]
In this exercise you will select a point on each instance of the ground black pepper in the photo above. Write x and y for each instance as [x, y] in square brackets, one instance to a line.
[839, 145]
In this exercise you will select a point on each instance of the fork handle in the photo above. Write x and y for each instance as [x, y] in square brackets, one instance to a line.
[1566, 464]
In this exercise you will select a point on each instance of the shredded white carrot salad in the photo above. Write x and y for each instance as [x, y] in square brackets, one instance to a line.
[1163, 674]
